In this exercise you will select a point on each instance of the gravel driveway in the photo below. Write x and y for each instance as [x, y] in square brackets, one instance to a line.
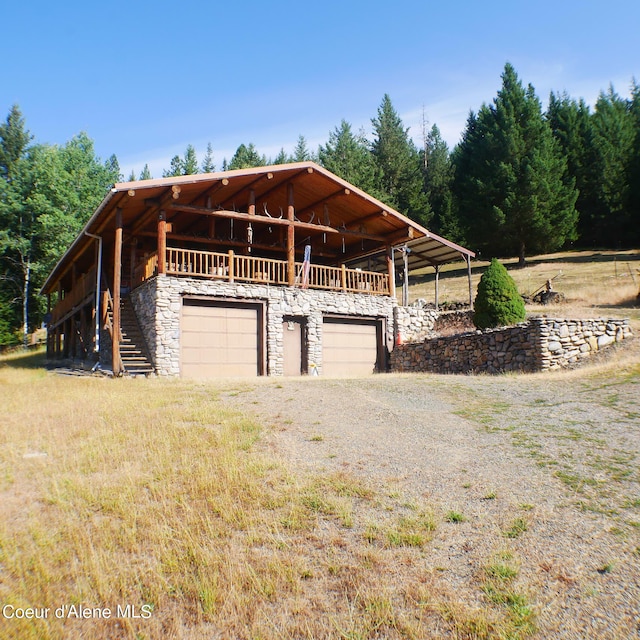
[558, 452]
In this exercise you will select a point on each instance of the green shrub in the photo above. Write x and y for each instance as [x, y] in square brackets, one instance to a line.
[498, 302]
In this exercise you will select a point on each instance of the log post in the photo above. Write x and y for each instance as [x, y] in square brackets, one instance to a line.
[231, 265]
[343, 277]
[437, 268]
[49, 333]
[162, 242]
[391, 270]
[470, 286]
[291, 252]
[117, 276]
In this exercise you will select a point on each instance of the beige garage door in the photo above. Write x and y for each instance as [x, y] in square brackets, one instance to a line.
[219, 341]
[349, 348]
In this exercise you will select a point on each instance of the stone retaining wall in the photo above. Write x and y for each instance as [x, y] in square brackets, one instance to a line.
[536, 345]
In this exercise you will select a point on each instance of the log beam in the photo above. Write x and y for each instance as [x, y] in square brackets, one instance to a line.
[258, 218]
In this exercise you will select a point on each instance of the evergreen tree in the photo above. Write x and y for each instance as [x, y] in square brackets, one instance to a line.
[301, 152]
[399, 163]
[112, 167]
[145, 174]
[438, 181]
[634, 169]
[571, 123]
[282, 157]
[348, 156]
[207, 163]
[190, 162]
[185, 166]
[14, 140]
[132, 176]
[513, 191]
[247, 157]
[614, 141]
[497, 303]
[176, 168]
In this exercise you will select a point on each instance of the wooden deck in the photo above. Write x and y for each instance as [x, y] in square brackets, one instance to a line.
[233, 267]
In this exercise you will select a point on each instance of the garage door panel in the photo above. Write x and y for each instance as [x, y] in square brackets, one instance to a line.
[350, 348]
[220, 341]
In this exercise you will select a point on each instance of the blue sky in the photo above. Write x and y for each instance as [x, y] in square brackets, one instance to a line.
[144, 79]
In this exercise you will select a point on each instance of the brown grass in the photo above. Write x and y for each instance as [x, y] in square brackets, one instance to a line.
[149, 494]
[608, 280]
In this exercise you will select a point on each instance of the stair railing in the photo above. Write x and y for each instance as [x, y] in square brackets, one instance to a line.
[107, 319]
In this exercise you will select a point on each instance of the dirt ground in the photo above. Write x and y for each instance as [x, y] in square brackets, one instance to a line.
[544, 465]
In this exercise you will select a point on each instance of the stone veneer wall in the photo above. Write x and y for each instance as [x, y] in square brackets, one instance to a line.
[158, 304]
[143, 299]
[414, 323]
[536, 345]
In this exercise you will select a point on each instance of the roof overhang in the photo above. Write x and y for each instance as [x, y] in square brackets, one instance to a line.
[321, 199]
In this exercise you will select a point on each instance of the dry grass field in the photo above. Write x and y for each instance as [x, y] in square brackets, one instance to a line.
[600, 282]
[149, 508]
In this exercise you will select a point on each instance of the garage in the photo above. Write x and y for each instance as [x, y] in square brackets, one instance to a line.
[351, 347]
[221, 339]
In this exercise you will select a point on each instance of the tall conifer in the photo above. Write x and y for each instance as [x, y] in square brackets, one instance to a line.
[514, 193]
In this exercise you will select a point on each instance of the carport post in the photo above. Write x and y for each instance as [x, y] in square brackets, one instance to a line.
[437, 268]
[391, 271]
[405, 284]
[469, 276]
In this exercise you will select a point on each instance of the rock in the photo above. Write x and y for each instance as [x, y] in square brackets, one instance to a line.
[605, 340]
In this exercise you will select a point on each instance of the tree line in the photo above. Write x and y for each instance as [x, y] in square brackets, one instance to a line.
[521, 180]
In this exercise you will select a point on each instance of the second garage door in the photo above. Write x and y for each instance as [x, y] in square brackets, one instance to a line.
[220, 340]
[350, 347]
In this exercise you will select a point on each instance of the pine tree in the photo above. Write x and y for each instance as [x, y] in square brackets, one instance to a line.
[514, 194]
[247, 157]
[614, 141]
[348, 156]
[112, 167]
[176, 168]
[207, 163]
[190, 162]
[438, 181]
[571, 124]
[14, 140]
[301, 152]
[145, 174]
[634, 169]
[399, 163]
[282, 157]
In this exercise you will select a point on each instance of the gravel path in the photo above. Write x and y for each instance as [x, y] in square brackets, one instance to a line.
[560, 452]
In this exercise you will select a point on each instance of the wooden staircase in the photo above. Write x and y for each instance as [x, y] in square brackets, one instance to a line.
[133, 348]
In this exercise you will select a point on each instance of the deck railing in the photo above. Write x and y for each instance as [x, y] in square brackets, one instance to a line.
[84, 287]
[241, 268]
